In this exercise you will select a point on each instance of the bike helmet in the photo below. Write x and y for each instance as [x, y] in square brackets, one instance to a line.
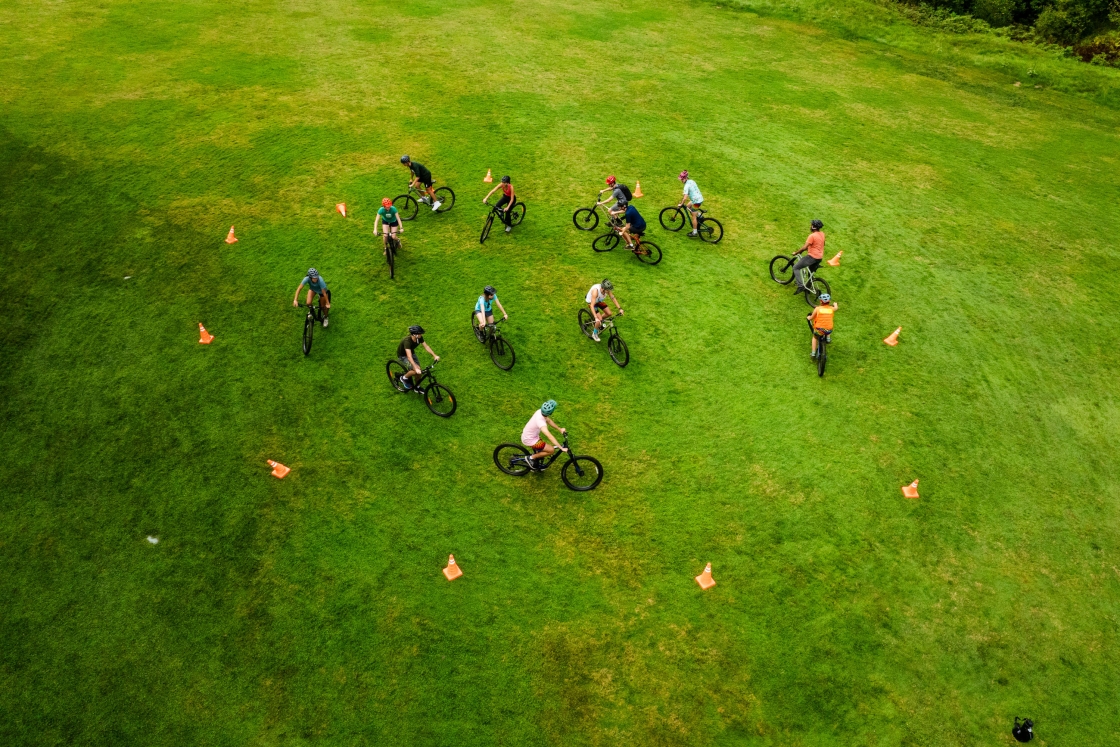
[824, 298]
[607, 285]
[683, 175]
[386, 202]
[548, 407]
[312, 273]
[817, 225]
[415, 329]
[505, 180]
[489, 291]
[611, 180]
[405, 159]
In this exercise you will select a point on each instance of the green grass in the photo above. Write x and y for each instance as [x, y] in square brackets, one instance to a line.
[980, 217]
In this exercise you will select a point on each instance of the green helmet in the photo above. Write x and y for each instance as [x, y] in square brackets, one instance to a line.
[548, 407]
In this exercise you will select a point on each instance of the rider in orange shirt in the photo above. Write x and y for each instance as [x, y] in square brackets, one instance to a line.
[821, 320]
[814, 245]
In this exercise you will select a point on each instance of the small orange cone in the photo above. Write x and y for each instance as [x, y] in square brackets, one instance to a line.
[488, 178]
[638, 190]
[705, 579]
[452, 571]
[231, 239]
[835, 261]
[341, 207]
[278, 470]
[204, 337]
[911, 490]
[892, 338]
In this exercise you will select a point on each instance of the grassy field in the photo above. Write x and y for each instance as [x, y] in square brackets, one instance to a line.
[979, 216]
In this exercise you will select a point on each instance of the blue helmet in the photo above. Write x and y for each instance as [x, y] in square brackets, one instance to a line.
[825, 298]
[312, 273]
[548, 407]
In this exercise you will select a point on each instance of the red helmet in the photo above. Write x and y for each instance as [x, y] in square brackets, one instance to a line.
[683, 176]
[611, 179]
[386, 202]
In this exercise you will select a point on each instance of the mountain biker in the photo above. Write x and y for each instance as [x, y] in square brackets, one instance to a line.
[635, 225]
[821, 320]
[531, 434]
[390, 221]
[316, 286]
[814, 245]
[620, 193]
[484, 307]
[694, 199]
[406, 354]
[597, 300]
[508, 199]
[421, 175]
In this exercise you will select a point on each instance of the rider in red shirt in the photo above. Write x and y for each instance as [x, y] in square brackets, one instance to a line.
[507, 201]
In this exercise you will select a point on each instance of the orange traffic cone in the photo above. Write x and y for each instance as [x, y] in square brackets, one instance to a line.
[892, 338]
[638, 190]
[278, 470]
[488, 178]
[911, 490]
[835, 261]
[231, 239]
[452, 571]
[204, 337]
[341, 207]
[705, 579]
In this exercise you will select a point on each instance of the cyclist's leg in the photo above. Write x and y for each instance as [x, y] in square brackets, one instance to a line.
[326, 297]
[480, 316]
[384, 237]
[310, 295]
[803, 261]
[694, 213]
[502, 202]
[542, 450]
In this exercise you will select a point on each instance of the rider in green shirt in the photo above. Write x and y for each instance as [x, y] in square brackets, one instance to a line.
[390, 221]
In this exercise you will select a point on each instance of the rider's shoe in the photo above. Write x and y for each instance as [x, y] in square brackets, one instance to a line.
[405, 384]
[326, 321]
[509, 228]
[595, 335]
[436, 206]
[693, 234]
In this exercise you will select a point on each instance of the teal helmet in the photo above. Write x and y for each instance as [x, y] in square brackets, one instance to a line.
[548, 407]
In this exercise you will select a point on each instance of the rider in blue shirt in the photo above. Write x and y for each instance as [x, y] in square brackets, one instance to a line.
[635, 224]
[484, 307]
[316, 286]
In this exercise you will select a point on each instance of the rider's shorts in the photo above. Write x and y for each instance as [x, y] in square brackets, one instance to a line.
[825, 333]
[601, 305]
[538, 446]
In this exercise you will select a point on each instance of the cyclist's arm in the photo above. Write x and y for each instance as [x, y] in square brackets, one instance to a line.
[295, 298]
[376, 223]
[616, 303]
[551, 437]
[430, 351]
[556, 425]
[491, 192]
[503, 308]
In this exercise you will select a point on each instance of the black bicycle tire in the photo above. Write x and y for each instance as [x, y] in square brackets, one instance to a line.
[431, 405]
[625, 352]
[498, 344]
[719, 226]
[820, 285]
[390, 259]
[486, 228]
[585, 327]
[441, 196]
[573, 461]
[408, 206]
[674, 210]
[510, 470]
[589, 225]
[394, 370]
[788, 267]
[822, 356]
[654, 256]
[515, 215]
[610, 241]
[308, 332]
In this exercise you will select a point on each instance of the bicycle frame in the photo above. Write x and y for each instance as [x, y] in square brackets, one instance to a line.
[547, 461]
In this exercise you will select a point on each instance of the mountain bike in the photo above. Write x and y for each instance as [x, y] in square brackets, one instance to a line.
[676, 217]
[439, 398]
[646, 251]
[408, 204]
[619, 353]
[586, 219]
[822, 347]
[316, 312]
[501, 352]
[781, 270]
[516, 215]
[392, 245]
[580, 473]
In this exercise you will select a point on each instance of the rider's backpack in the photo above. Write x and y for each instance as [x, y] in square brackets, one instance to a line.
[1023, 732]
[626, 191]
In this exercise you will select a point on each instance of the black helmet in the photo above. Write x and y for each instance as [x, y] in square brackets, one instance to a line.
[489, 290]
[817, 225]
[505, 180]
[415, 329]
[405, 159]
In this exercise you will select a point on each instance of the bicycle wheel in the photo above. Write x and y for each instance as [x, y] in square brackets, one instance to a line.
[586, 219]
[586, 322]
[406, 205]
[501, 352]
[672, 219]
[517, 213]
[440, 400]
[648, 252]
[391, 259]
[620, 354]
[711, 230]
[507, 458]
[308, 331]
[486, 228]
[446, 197]
[582, 473]
[814, 289]
[394, 370]
[606, 242]
[781, 269]
[822, 355]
